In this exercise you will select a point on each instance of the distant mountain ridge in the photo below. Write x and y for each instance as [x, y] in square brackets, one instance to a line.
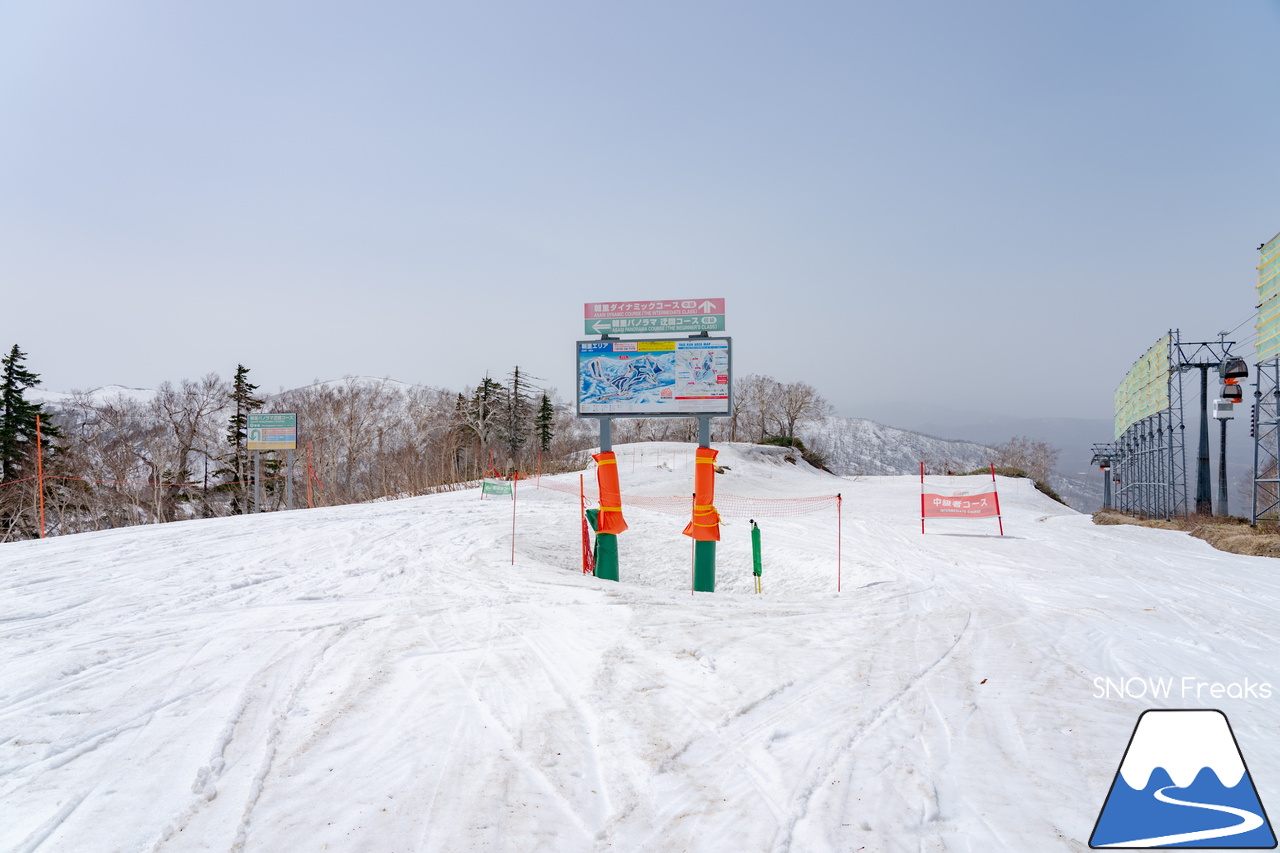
[858, 446]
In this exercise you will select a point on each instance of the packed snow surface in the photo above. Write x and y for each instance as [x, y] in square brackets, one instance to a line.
[384, 678]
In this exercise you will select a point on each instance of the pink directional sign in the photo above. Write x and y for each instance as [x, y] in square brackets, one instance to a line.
[653, 308]
[653, 316]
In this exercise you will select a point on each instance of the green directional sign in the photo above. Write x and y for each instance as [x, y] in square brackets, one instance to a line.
[654, 325]
[272, 431]
[495, 487]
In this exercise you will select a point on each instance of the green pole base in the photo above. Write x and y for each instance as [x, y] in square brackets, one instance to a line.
[704, 567]
[607, 556]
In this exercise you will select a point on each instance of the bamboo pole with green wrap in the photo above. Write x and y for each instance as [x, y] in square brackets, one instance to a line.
[757, 565]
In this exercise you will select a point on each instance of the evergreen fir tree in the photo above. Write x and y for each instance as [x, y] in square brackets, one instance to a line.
[516, 410]
[237, 467]
[544, 423]
[18, 417]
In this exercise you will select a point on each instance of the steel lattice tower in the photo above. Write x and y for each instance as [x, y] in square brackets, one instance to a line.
[1266, 440]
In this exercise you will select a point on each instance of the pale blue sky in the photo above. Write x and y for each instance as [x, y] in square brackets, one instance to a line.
[987, 205]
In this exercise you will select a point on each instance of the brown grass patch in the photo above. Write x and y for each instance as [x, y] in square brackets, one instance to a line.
[1111, 517]
[1233, 535]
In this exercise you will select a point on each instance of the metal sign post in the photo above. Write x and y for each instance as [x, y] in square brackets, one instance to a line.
[704, 551]
[606, 557]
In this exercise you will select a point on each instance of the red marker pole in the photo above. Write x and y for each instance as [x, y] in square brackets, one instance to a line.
[839, 538]
[922, 497]
[40, 473]
[995, 491]
[515, 485]
[586, 537]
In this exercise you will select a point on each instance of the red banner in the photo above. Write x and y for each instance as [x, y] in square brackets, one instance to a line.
[982, 505]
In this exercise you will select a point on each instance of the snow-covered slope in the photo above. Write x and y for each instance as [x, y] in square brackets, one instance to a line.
[384, 678]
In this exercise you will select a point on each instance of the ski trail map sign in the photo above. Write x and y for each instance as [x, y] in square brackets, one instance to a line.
[654, 378]
[1183, 783]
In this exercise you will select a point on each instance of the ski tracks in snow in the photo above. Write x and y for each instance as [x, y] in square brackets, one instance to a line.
[382, 678]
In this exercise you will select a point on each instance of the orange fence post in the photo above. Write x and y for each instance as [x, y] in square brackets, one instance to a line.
[839, 537]
[40, 474]
[922, 497]
[588, 561]
[995, 491]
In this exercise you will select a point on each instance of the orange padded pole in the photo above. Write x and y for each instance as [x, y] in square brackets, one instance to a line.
[705, 526]
[610, 519]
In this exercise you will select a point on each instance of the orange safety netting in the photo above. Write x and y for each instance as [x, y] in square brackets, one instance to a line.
[705, 524]
[610, 519]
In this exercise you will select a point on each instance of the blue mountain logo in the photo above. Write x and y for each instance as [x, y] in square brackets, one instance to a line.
[1183, 783]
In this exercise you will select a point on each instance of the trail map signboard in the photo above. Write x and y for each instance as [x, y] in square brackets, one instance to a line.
[273, 432]
[685, 377]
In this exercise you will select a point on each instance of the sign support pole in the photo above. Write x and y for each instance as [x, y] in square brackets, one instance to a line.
[288, 479]
[257, 481]
[704, 553]
[606, 563]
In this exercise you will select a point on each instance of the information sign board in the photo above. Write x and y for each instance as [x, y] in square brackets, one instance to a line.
[273, 432]
[648, 317]
[684, 377]
[495, 487]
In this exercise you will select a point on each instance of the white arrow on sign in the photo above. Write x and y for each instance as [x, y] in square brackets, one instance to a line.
[596, 326]
[707, 307]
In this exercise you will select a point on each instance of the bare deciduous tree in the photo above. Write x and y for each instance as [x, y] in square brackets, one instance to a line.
[798, 402]
[1037, 458]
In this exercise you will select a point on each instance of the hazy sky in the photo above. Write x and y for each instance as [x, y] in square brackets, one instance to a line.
[988, 205]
